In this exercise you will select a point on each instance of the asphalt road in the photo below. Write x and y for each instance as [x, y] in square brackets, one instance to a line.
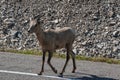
[25, 67]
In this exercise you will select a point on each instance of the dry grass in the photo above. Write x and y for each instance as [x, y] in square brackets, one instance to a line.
[78, 57]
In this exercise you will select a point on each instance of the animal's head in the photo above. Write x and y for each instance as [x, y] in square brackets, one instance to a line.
[34, 24]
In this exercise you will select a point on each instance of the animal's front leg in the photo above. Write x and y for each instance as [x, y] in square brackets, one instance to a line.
[49, 61]
[43, 61]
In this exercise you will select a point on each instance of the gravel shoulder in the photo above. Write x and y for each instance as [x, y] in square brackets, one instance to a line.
[86, 70]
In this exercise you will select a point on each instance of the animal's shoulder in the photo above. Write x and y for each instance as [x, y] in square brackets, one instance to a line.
[49, 33]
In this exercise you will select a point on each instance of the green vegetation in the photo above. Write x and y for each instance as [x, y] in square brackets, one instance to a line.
[58, 55]
[30, 52]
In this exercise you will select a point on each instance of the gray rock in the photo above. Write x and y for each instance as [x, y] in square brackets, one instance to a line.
[111, 13]
[118, 16]
[10, 22]
[112, 23]
[97, 24]
[18, 34]
[100, 45]
[95, 18]
[118, 57]
[116, 34]
[116, 42]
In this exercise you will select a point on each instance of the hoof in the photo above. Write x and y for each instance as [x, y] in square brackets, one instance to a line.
[55, 71]
[40, 73]
[60, 75]
[73, 71]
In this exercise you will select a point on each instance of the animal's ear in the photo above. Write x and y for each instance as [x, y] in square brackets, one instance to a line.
[30, 18]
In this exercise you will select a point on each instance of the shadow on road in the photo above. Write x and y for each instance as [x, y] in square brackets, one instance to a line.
[87, 77]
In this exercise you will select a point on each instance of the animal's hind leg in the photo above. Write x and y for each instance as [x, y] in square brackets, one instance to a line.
[50, 54]
[73, 59]
[67, 59]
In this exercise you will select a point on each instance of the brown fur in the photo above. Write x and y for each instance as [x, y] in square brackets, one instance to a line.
[51, 39]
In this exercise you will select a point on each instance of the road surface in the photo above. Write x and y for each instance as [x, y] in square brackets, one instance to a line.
[25, 67]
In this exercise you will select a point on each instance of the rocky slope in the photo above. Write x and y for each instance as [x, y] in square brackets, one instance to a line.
[97, 24]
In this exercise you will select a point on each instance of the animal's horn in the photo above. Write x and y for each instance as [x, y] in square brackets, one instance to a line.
[31, 18]
[37, 16]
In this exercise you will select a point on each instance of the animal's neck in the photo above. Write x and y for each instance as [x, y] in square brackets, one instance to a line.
[40, 35]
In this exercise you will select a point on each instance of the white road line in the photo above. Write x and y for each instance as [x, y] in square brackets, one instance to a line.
[32, 74]
[15, 72]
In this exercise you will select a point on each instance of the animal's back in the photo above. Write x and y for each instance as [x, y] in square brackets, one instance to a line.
[66, 33]
[65, 29]
[58, 38]
[61, 31]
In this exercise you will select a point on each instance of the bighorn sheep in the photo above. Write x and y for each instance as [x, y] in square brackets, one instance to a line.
[51, 39]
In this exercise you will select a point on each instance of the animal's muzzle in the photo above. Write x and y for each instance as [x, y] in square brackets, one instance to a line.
[29, 31]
